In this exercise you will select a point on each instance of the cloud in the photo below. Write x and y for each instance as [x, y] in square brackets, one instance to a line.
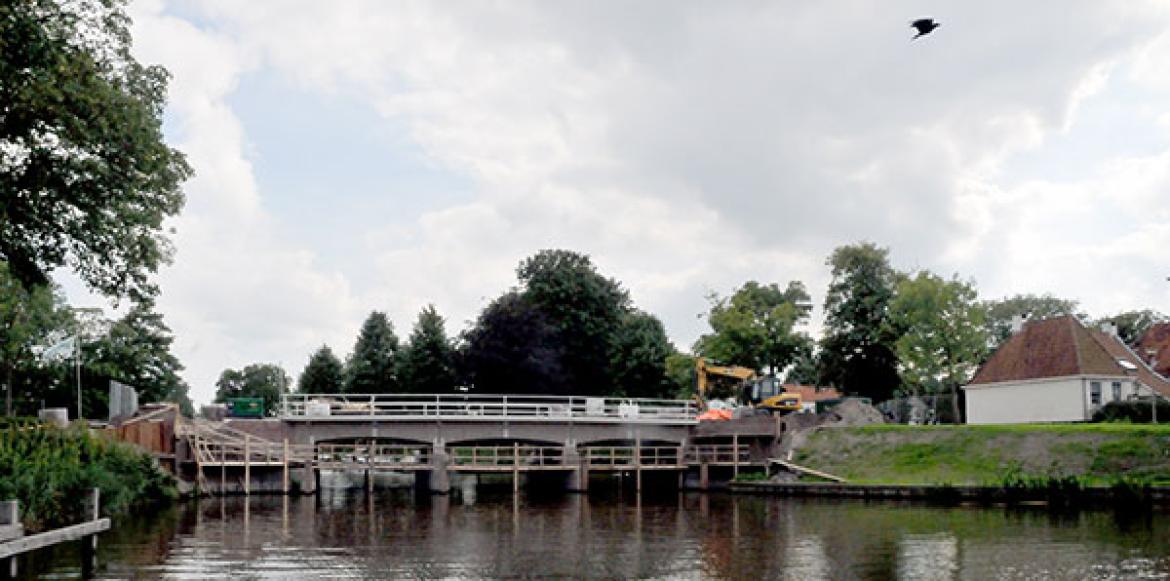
[687, 146]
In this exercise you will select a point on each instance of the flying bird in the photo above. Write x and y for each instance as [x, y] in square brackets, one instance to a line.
[924, 26]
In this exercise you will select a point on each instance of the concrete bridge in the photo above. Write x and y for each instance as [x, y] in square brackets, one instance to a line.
[435, 436]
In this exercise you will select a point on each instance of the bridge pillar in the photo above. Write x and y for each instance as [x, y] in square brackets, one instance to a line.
[309, 471]
[577, 480]
[440, 480]
[704, 476]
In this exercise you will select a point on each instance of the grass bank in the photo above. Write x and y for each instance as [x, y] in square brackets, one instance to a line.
[1016, 455]
[49, 471]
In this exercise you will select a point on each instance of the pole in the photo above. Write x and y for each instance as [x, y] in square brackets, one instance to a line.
[77, 364]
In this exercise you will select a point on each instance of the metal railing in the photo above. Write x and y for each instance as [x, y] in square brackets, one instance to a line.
[486, 407]
[596, 457]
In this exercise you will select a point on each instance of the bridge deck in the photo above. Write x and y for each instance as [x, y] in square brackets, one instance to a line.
[480, 408]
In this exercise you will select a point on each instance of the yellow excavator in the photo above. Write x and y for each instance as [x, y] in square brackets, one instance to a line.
[765, 393]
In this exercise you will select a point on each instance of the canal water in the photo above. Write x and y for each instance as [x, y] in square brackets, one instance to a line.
[613, 535]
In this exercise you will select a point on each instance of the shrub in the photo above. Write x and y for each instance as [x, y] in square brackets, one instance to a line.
[1138, 412]
[50, 471]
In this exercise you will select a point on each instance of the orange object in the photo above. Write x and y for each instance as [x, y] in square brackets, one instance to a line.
[715, 416]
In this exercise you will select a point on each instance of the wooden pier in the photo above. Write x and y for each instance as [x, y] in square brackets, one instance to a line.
[13, 541]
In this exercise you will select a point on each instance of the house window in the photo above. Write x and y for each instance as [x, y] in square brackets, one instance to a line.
[1116, 391]
[1095, 392]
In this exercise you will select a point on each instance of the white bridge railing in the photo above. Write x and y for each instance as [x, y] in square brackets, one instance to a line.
[485, 407]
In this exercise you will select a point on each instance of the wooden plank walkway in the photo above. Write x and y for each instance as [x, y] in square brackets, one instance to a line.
[13, 543]
[805, 470]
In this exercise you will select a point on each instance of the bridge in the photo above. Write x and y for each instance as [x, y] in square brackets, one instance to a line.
[435, 436]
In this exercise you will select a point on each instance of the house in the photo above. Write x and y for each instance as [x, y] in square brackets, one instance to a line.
[811, 394]
[1154, 348]
[1056, 370]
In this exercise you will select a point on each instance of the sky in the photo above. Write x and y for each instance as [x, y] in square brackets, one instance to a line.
[353, 156]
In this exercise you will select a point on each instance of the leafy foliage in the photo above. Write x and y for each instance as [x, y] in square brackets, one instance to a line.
[1034, 307]
[323, 373]
[136, 350]
[583, 307]
[50, 472]
[639, 357]
[756, 327]
[371, 366]
[428, 360]
[86, 176]
[942, 334]
[263, 380]
[27, 316]
[1132, 325]
[857, 350]
[512, 348]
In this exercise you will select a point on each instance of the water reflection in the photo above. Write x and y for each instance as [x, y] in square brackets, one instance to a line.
[400, 535]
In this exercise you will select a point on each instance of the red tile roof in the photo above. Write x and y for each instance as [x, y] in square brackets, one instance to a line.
[1055, 347]
[1061, 347]
[812, 392]
[1154, 348]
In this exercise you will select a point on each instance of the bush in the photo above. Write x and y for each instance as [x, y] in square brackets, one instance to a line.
[1138, 412]
[50, 472]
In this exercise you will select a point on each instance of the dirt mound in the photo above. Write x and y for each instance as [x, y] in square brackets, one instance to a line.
[854, 412]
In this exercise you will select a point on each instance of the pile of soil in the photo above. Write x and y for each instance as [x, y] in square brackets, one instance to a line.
[854, 412]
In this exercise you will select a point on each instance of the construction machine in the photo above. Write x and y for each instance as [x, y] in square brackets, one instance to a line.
[765, 393]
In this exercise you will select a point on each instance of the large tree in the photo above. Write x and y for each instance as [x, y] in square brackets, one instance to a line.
[371, 366]
[136, 350]
[513, 348]
[857, 350]
[1034, 307]
[428, 360]
[322, 374]
[943, 337]
[85, 176]
[263, 380]
[584, 308]
[27, 317]
[639, 355]
[756, 327]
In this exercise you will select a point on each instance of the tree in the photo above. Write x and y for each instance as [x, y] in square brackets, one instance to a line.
[263, 380]
[322, 374]
[756, 327]
[804, 370]
[943, 334]
[26, 318]
[512, 348]
[1001, 312]
[136, 350]
[1132, 325]
[680, 374]
[857, 351]
[428, 360]
[639, 357]
[583, 307]
[371, 366]
[86, 177]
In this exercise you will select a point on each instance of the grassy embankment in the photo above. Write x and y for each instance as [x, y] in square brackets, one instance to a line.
[49, 470]
[1075, 454]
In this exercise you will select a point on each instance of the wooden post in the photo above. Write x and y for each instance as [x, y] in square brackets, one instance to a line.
[9, 516]
[222, 468]
[735, 456]
[370, 468]
[89, 542]
[284, 481]
[247, 465]
[515, 467]
[638, 465]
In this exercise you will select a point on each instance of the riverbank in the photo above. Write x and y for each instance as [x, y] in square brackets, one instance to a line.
[1084, 455]
[49, 470]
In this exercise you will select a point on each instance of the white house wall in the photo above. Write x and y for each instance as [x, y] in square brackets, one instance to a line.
[1062, 399]
[1057, 400]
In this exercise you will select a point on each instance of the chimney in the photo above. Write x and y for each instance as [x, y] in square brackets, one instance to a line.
[1018, 323]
